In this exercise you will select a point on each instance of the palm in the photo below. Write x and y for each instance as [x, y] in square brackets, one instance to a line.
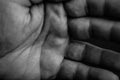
[33, 46]
[20, 31]
[35, 41]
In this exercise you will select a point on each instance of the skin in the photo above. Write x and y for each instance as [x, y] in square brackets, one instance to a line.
[51, 40]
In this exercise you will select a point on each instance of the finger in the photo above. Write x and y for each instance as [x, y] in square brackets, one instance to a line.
[78, 8]
[106, 8]
[71, 70]
[88, 53]
[86, 28]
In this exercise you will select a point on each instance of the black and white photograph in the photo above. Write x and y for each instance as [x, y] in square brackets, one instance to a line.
[59, 39]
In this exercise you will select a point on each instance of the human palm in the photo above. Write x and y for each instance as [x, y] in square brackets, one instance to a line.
[42, 40]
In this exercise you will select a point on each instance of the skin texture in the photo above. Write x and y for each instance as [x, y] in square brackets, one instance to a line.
[59, 40]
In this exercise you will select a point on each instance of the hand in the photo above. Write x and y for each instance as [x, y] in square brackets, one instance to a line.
[35, 43]
[96, 22]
